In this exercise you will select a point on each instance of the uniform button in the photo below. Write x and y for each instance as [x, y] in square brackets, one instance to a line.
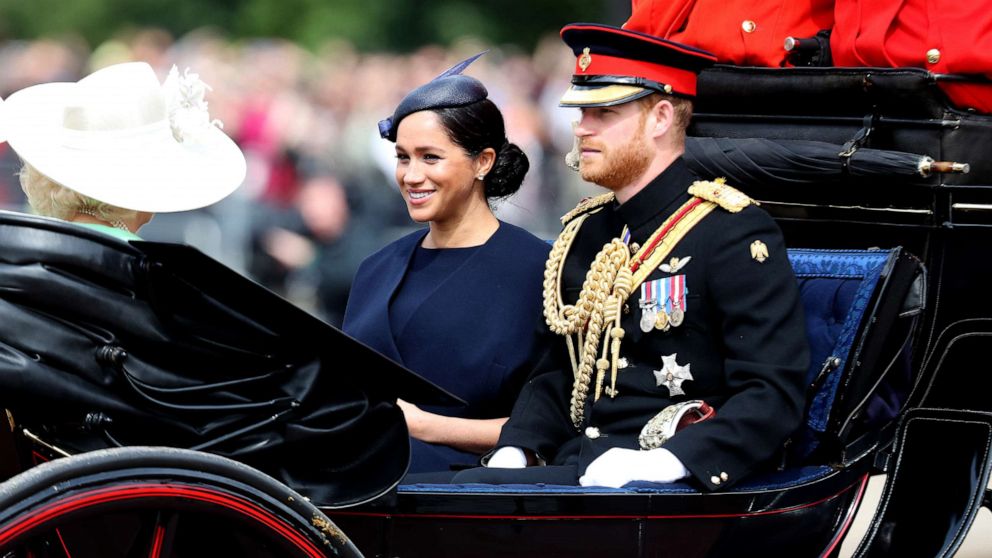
[933, 56]
[715, 480]
[724, 476]
[622, 362]
[592, 432]
[749, 26]
[626, 309]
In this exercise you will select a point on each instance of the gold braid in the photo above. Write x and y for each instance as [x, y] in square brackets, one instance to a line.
[606, 287]
[622, 288]
[611, 280]
[561, 318]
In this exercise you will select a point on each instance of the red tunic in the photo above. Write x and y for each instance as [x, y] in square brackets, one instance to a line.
[742, 32]
[943, 36]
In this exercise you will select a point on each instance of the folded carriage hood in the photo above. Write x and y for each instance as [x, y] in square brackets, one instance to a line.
[106, 342]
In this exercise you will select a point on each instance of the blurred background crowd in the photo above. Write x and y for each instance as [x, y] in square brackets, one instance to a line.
[320, 193]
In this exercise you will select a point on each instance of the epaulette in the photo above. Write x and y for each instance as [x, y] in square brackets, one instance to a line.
[586, 205]
[717, 191]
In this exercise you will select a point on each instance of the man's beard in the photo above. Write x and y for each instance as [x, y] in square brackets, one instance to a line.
[619, 166]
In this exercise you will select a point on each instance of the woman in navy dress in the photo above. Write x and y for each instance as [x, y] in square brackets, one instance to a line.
[459, 302]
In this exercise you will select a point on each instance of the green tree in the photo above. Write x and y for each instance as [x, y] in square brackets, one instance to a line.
[371, 24]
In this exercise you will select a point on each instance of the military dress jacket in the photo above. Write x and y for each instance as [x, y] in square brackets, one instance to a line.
[476, 335]
[742, 341]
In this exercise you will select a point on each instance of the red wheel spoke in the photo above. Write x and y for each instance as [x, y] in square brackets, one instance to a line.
[62, 542]
[162, 535]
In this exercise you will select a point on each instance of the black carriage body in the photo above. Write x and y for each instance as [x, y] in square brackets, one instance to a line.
[799, 520]
[943, 219]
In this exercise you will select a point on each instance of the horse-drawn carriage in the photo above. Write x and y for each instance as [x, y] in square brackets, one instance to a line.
[889, 258]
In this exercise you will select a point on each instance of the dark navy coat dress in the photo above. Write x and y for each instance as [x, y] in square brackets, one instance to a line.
[476, 334]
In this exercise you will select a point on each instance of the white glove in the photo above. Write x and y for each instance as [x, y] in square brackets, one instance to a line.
[508, 457]
[619, 466]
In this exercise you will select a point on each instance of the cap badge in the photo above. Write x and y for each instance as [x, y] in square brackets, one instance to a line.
[585, 60]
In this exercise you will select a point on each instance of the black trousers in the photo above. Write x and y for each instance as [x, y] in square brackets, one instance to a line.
[553, 474]
[566, 474]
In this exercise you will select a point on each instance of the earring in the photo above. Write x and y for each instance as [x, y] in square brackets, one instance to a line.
[481, 177]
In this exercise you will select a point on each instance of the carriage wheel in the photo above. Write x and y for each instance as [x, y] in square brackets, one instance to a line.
[159, 503]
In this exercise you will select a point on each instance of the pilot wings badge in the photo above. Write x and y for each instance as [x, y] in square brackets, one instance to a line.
[674, 265]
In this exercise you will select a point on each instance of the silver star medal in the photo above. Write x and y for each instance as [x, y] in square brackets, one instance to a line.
[649, 311]
[672, 375]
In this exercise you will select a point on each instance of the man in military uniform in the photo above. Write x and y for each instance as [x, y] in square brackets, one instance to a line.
[674, 296]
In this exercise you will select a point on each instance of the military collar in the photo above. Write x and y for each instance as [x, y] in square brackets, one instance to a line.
[667, 188]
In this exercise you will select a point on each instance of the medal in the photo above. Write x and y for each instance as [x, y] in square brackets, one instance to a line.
[671, 375]
[649, 305]
[676, 292]
[648, 317]
[661, 322]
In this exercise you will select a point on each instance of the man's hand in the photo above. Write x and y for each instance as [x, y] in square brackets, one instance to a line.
[508, 457]
[619, 466]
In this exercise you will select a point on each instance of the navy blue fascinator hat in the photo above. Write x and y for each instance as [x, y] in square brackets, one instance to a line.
[450, 89]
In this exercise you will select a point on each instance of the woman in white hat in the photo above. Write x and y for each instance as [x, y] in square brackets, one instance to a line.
[113, 149]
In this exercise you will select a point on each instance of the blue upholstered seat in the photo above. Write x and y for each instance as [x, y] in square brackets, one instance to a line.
[837, 288]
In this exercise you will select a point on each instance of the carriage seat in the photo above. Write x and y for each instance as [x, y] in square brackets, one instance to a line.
[860, 308]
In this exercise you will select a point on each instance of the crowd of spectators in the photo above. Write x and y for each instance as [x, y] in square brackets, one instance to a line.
[320, 193]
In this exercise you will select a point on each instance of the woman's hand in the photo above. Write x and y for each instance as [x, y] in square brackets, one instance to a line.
[471, 435]
[420, 423]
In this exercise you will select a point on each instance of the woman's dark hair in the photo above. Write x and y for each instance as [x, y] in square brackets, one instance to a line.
[479, 125]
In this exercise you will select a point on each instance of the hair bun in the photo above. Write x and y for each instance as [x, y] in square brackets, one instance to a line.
[508, 172]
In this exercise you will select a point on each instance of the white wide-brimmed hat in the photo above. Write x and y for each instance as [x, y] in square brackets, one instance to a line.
[121, 137]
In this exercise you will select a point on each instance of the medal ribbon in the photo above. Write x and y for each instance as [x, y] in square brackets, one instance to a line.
[670, 293]
[675, 297]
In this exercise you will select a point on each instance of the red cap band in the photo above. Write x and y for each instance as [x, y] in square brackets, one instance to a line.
[682, 81]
